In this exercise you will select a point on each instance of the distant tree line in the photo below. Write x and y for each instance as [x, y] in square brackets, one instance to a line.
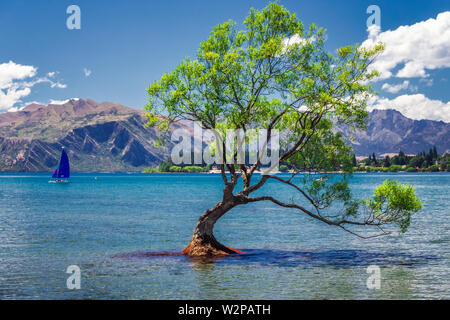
[169, 166]
[429, 161]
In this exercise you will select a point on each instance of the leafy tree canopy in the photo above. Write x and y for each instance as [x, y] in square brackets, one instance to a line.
[275, 73]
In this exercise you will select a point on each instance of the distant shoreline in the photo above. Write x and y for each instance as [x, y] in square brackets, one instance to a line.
[210, 172]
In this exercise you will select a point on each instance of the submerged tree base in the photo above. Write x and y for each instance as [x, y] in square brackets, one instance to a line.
[207, 246]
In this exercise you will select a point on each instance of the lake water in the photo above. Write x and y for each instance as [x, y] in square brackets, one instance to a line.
[108, 226]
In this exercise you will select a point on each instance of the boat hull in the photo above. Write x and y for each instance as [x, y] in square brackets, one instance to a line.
[60, 182]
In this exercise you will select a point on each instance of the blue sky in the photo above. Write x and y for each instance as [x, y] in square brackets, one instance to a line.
[125, 45]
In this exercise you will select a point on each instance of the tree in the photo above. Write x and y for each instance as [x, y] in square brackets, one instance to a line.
[374, 159]
[387, 161]
[402, 158]
[354, 162]
[435, 153]
[275, 74]
[165, 166]
[429, 157]
[416, 162]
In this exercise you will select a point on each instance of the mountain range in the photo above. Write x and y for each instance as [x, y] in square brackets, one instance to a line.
[388, 131]
[111, 137]
[98, 136]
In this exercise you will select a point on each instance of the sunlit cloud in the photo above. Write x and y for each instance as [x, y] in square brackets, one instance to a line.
[415, 106]
[413, 49]
[87, 72]
[16, 81]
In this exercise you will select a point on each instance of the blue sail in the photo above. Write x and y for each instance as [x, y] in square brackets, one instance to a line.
[55, 172]
[64, 168]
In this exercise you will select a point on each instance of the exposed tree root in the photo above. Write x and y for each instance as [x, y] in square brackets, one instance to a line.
[207, 246]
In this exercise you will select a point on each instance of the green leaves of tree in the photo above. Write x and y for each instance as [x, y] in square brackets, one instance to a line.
[394, 203]
[276, 74]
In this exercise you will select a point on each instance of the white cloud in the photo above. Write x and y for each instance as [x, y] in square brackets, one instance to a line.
[14, 86]
[62, 101]
[13, 95]
[51, 101]
[11, 71]
[14, 109]
[414, 48]
[394, 88]
[373, 30]
[295, 40]
[428, 82]
[415, 106]
[303, 108]
[58, 85]
[87, 72]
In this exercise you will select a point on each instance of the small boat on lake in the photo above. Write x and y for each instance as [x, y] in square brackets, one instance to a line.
[62, 171]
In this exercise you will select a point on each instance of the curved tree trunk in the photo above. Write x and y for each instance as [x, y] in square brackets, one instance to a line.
[203, 242]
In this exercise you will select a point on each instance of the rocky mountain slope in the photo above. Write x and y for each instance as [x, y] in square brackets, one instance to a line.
[98, 137]
[111, 137]
[388, 131]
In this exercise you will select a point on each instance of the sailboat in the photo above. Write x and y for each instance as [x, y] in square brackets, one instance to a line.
[62, 171]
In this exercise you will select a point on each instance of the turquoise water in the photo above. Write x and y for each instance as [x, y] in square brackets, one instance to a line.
[108, 226]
